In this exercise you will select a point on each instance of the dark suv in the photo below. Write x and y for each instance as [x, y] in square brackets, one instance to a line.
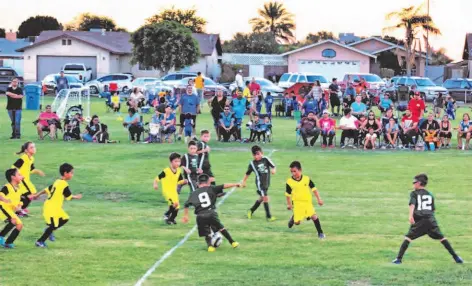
[6, 76]
[459, 88]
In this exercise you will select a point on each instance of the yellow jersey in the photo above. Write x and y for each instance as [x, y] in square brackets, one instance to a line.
[300, 190]
[247, 93]
[199, 82]
[11, 193]
[57, 192]
[170, 179]
[115, 99]
[25, 165]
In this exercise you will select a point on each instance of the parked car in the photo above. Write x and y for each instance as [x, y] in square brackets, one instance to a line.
[209, 89]
[374, 82]
[173, 79]
[289, 79]
[124, 82]
[6, 76]
[154, 88]
[266, 86]
[142, 81]
[459, 88]
[426, 87]
[391, 86]
[50, 82]
[80, 71]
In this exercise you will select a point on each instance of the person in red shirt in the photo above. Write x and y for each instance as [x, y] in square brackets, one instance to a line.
[409, 128]
[254, 86]
[47, 122]
[328, 129]
[416, 106]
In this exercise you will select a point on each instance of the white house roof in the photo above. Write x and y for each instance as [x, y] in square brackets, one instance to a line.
[330, 42]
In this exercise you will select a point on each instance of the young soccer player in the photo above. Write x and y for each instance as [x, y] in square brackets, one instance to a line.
[10, 201]
[298, 193]
[189, 163]
[25, 165]
[53, 212]
[204, 199]
[204, 155]
[171, 177]
[262, 168]
[422, 220]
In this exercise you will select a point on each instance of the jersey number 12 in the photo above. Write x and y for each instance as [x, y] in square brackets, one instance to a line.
[204, 199]
[425, 203]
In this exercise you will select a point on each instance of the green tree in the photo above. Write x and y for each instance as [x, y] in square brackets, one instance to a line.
[412, 21]
[319, 36]
[439, 57]
[87, 21]
[164, 46]
[2, 33]
[257, 43]
[393, 40]
[188, 18]
[274, 18]
[33, 26]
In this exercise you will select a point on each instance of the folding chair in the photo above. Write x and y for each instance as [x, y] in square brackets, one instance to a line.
[297, 115]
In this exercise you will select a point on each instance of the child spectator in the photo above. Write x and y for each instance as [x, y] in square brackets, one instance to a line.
[155, 128]
[188, 127]
[72, 128]
[451, 108]
[259, 101]
[253, 127]
[391, 132]
[115, 101]
[288, 105]
[269, 100]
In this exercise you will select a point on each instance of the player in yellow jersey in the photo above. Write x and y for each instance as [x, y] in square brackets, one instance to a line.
[25, 164]
[53, 212]
[298, 193]
[10, 201]
[170, 179]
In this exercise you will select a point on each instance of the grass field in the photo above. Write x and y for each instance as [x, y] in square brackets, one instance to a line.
[116, 233]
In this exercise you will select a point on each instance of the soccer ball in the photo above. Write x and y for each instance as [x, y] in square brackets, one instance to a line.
[216, 239]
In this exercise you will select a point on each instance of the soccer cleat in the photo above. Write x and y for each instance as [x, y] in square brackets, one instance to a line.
[52, 237]
[211, 249]
[235, 244]
[165, 217]
[173, 221]
[249, 214]
[271, 219]
[397, 261]
[40, 244]
[290, 223]
[323, 146]
[9, 246]
[321, 236]
[458, 259]
[168, 222]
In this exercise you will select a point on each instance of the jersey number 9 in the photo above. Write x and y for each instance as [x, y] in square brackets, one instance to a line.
[204, 199]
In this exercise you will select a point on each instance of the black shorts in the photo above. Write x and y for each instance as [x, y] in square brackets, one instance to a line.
[182, 120]
[445, 135]
[425, 226]
[263, 191]
[208, 172]
[206, 221]
[334, 100]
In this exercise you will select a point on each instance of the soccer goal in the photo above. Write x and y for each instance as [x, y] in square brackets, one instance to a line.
[71, 101]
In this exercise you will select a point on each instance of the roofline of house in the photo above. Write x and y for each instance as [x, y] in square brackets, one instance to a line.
[372, 38]
[401, 48]
[332, 42]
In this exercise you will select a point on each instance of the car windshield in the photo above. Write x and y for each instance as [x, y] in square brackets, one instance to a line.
[260, 81]
[313, 78]
[70, 79]
[424, 82]
[74, 68]
[284, 77]
[371, 78]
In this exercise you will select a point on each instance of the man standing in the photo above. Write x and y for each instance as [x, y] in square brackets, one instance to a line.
[200, 85]
[416, 106]
[189, 103]
[62, 82]
[239, 105]
[239, 80]
[254, 86]
[333, 96]
[14, 106]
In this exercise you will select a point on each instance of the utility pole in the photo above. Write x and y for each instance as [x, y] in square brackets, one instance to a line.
[427, 47]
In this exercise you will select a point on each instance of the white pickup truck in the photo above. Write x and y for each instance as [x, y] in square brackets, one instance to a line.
[80, 71]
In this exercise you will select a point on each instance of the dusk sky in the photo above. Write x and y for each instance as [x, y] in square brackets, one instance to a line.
[362, 17]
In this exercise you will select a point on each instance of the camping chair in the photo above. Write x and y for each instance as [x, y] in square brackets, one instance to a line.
[142, 129]
[47, 130]
[297, 115]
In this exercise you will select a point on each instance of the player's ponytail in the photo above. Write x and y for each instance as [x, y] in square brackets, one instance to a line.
[24, 147]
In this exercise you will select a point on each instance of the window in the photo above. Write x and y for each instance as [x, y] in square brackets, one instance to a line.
[120, 77]
[302, 78]
[424, 82]
[313, 78]
[410, 82]
[328, 53]
[293, 78]
[64, 42]
[401, 81]
[284, 77]
[69, 42]
[170, 77]
[105, 78]
[465, 85]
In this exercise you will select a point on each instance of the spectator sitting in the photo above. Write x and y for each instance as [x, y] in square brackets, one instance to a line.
[445, 132]
[430, 131]
[136, 99]
[348, 101]
[93, 129]
[310, 105]
[450, 107]
[168, 121]
[391, 132]
[349, 126]
[227, 125]
[409, 129]
[155, 128]
[134, 125]
[309, 128]
[328, 129]
[263, 128]
[161, 107]
[350, 91]
[358, 107]
[371, 127]
[385, 103]
[47, 121]
[253, 127]
[72, 127]
[464, 131]
[365, 98]
[115, 102]
[188, 127]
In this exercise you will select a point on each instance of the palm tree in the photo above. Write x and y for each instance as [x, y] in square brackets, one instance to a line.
[274, 18]
[413, 21]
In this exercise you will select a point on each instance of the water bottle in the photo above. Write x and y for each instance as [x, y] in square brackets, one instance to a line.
[432, 146]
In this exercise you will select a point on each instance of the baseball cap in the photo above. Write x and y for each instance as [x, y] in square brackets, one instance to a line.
[325, 111]
[240, 71]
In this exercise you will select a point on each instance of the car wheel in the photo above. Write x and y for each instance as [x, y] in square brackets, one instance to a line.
[93, 90]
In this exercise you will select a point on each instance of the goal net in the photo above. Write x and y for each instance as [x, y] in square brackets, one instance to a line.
[71, 101]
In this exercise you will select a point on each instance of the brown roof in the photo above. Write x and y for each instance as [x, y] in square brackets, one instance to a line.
[119, 42]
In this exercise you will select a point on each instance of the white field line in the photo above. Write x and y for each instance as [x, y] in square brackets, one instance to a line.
[181, 242]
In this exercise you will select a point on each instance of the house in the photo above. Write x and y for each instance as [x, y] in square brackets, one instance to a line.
[467, 54]
[104, 52]
[9, 57]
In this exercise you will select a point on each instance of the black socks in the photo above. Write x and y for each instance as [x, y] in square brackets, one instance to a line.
[255, 206]
[7, 229]
[318, 226]
[13, 235]
[208, 240]
[226, 234]
[448, 246]
[267, 210]
[403, 248]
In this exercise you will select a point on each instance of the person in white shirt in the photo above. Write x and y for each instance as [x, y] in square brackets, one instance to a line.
[136, 99]
[239, 80]
[349, 126]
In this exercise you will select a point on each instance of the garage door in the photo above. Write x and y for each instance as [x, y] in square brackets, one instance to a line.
[50, 64]
[329, 69]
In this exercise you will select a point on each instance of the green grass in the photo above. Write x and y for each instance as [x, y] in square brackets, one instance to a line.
[116, 233]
